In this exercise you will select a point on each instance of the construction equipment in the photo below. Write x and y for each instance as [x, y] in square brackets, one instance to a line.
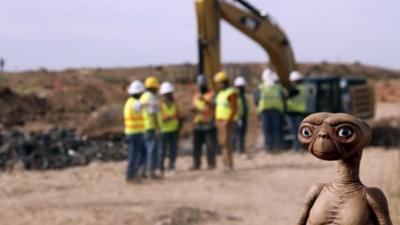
[356, 98]
[249, 20]
[346, 94]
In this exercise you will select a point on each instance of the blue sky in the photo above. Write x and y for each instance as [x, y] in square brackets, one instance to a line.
[105, 33]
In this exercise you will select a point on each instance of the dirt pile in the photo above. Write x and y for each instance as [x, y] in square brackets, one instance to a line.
[343, 69]
[387, 90]
[17, 109]
[105, 122]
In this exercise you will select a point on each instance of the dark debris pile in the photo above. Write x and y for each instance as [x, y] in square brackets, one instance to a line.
[55, 149]
[386, 132]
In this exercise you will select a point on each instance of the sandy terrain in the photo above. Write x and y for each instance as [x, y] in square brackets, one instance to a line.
[387, 110]
[264, 189]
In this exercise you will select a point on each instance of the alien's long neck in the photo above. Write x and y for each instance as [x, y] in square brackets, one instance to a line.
[348, 171]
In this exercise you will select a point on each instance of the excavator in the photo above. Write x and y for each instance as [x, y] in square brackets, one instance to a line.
[327, 93]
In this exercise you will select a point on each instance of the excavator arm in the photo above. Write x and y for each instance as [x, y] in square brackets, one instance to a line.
[253, 23]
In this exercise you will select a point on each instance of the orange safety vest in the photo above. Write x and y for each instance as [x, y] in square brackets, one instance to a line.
[204, 112]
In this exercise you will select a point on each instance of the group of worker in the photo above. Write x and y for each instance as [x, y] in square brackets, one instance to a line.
[278, 106]
[153, 119]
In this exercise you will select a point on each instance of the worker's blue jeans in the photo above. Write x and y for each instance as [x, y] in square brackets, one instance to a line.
[272, 125]
[294, 120]
[152, 151]
[136, 154]
[169, 146]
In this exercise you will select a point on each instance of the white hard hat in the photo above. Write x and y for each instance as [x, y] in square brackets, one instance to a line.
[239, 81]
[136, 87]
[295, 76]
[166, 88]
[274, 77]
[270, 78]
[266, 74]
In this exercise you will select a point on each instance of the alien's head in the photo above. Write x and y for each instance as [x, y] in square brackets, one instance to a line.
[333, 136]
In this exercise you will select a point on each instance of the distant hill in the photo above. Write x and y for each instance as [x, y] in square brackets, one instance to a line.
[74, 98]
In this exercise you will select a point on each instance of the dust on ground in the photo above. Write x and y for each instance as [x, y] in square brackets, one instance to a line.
[264, 189]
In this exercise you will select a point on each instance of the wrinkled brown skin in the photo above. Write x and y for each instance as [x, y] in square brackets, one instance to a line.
[345, 201]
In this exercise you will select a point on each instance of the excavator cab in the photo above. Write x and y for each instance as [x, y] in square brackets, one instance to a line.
[344, 94]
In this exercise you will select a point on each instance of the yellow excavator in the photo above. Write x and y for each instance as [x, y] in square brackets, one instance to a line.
[328, 93]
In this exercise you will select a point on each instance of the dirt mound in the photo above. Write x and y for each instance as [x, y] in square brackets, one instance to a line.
[85, 98]
[387, 90]
[106, 121]
[17, 109]
[343, 69]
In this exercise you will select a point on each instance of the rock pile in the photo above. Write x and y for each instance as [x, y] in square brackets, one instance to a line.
[55, 149]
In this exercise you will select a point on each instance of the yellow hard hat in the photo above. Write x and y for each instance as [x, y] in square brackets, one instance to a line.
[221, 76]
[151, 82]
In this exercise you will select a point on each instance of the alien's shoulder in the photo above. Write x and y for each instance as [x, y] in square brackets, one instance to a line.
[314, 191]
[375, 197]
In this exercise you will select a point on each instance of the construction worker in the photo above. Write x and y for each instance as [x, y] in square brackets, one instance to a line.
[226, 114]
[270, 106]
[151, 115]
[2, 64]
[170, 124]
[241, 125]
[204, 130]
[296, 106]
[134, 130]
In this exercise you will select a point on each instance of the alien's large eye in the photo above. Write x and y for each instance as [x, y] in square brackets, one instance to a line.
[306, 132]
[345, 132]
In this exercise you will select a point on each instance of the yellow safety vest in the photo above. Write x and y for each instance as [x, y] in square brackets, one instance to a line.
[133, 120]
[168, 111]
[223, 109]
[204, 113]
[145, 100]
[270, 97]
[298, 103]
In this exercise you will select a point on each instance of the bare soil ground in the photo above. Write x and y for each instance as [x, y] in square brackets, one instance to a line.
[264, 189]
